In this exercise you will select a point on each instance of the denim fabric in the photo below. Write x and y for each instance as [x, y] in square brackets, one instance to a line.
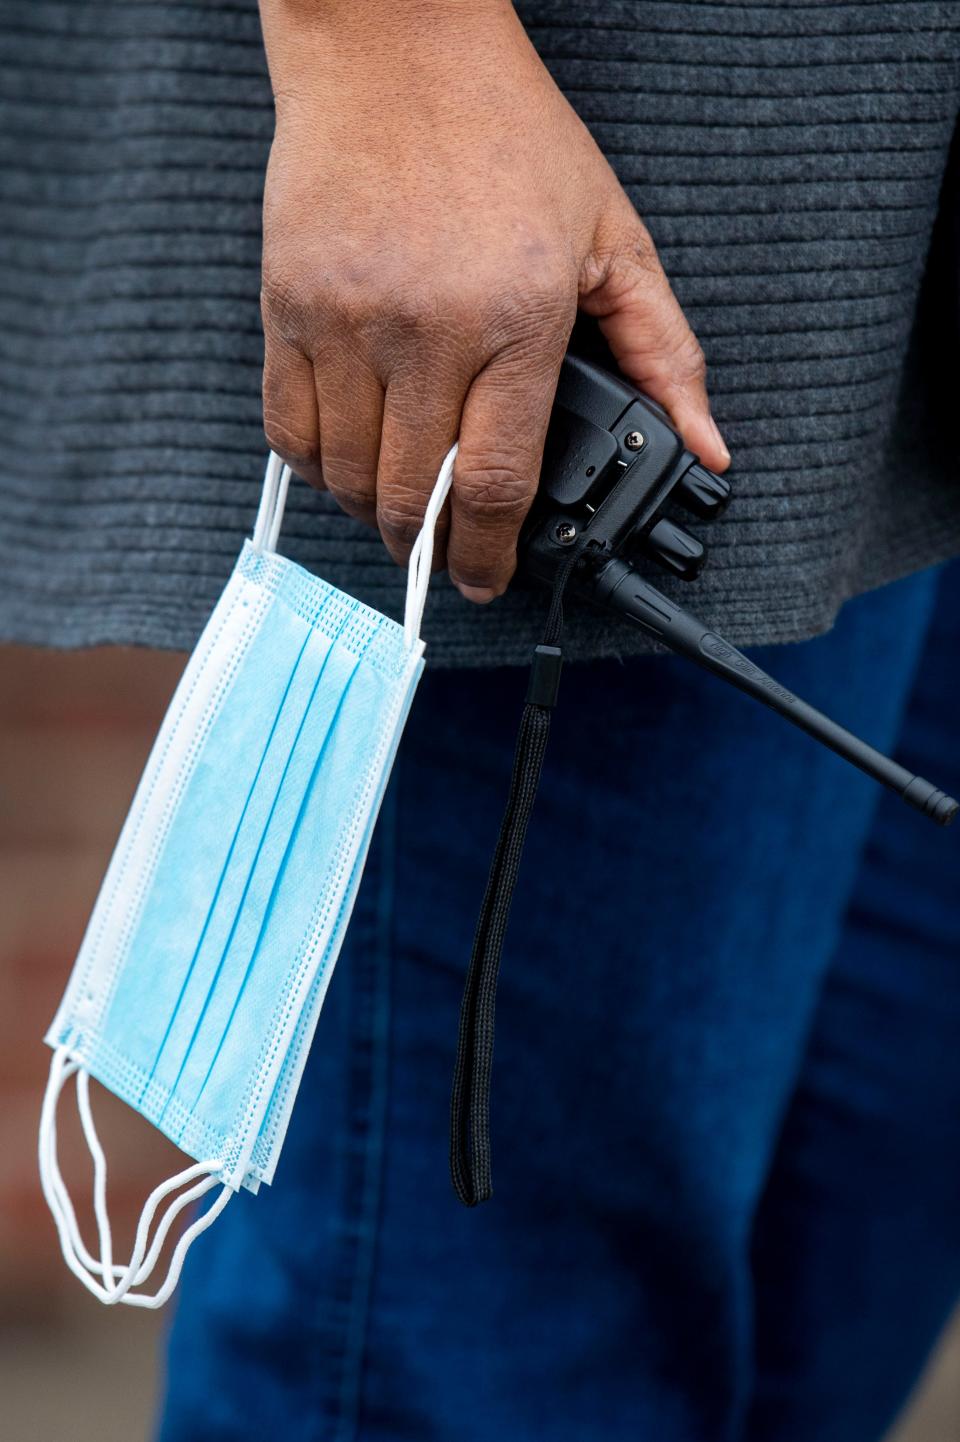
[727, 1086]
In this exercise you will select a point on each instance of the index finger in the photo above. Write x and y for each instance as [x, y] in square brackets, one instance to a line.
[502, 432]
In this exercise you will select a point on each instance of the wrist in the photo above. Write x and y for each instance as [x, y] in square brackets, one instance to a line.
[308, 41]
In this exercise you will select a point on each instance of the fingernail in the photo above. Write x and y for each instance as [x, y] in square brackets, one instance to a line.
[719, 439]
[481, 595]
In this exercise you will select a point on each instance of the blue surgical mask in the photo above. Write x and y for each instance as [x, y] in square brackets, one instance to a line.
[198, 985]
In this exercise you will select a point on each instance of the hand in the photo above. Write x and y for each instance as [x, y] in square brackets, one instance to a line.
[434, 214]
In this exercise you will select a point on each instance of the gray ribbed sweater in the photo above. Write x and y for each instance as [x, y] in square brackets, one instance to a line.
[789, 159]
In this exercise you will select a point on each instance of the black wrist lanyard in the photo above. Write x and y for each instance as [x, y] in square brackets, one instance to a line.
[470, 1167]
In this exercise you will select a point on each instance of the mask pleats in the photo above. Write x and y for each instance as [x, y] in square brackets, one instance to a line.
[249, 843]
[223, 820]
[277, 873]
[228, 859]
[276, 1118]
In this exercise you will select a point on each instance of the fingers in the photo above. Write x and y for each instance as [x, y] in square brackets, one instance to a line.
[350, 405]
[290, 419]
[502, 433]
[378, 451]
[624, 285]
[421, 419]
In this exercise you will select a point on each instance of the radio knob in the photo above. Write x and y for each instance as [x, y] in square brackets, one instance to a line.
[673, 547]
[702, 492]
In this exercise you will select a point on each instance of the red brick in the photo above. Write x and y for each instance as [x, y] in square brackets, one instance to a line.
[112, 684]
[46, 895]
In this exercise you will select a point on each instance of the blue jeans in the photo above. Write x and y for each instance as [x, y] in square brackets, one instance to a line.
[726, 1090]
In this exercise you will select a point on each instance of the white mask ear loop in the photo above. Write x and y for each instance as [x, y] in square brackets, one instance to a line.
[421, 557]
[78, 1259]
[266, 533]
[135, 1272]
[273, 500]
[283, 486]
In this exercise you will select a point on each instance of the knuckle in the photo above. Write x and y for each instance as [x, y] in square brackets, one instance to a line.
[642, 254]
[411, 309]
[427, 330]
[353, 497]
[400, 516]
[626, 265]
[689, 364]
[397, 322]
[637, 255]
[349, 467]
[351, 303]
[283, 306]
[297, 450]
[309, 303]
[533, 310]
[541, 292]
[493, 493]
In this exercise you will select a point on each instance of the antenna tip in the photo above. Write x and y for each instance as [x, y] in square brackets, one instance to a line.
[936, 804]
[946, 810]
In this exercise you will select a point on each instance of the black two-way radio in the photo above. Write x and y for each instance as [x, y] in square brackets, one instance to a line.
[613, 470]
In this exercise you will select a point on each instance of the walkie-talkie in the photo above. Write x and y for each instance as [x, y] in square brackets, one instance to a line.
[615, 472]
[614, 475]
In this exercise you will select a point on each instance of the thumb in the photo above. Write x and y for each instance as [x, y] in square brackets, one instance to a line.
[624, 286]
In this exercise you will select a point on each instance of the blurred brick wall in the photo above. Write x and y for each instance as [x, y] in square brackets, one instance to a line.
[75, 730]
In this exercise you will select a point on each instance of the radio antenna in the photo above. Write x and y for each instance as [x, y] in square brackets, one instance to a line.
[620, 587]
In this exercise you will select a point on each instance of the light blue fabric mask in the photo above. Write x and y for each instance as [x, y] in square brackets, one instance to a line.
[198, 985]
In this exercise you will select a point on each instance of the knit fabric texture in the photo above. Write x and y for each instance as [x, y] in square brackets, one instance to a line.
[792, 161]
